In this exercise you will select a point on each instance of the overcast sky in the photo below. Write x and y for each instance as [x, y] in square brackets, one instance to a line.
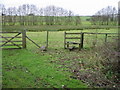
[81, 7]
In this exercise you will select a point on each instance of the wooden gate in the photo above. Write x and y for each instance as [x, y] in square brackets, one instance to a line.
[13, 40]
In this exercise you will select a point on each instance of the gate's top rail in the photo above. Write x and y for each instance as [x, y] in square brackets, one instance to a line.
[10, 32]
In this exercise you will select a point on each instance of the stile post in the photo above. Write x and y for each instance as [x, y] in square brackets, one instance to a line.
[105, 37]
[24, 38]
[82, 40]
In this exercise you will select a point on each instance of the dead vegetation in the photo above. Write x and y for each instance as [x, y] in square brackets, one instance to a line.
[98, 67]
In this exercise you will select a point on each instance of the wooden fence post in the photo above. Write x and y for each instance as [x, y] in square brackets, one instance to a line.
[119, 26]
[105, 37]
[82, 40]
[47, 39]
[64, 40]
[24, 38]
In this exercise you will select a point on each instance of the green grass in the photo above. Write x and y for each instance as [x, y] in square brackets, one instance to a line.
[84, 20]
[22, 68]
[33, 68]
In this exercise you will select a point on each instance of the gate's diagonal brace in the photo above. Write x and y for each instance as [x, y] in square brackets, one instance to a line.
[10, 40]
[33, 42]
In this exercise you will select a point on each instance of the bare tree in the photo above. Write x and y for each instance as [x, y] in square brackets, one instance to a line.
[3, 13]
[106, 16]
[12, 12]
[77, 20]
[114, 16]
[30, 15]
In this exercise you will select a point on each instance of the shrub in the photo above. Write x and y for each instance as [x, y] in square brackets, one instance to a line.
[111, 60]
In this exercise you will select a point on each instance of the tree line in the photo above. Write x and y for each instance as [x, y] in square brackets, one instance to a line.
[27, 14]
[105, 16]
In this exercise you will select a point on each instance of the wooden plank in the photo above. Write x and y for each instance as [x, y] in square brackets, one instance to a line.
[10, 48]
[71, 48]
[32, 41]
[13, 44]
[73, 33]
[11, 41]
[100, 33]
[10, 32]
[91, 33]
[72, 37]
[72, 43]
[10, 37]
[112, 36]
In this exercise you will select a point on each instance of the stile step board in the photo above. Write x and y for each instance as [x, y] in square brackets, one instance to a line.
[71, 48]
[72, 43]
[72, 33]
[112, 36]
[72, 37]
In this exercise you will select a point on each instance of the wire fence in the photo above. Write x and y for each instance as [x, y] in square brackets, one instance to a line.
[56, 39]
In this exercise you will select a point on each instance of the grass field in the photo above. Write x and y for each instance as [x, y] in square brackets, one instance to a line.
[54, 68]
[26, 69]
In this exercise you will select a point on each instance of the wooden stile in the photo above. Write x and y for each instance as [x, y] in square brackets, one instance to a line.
[80, 43]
